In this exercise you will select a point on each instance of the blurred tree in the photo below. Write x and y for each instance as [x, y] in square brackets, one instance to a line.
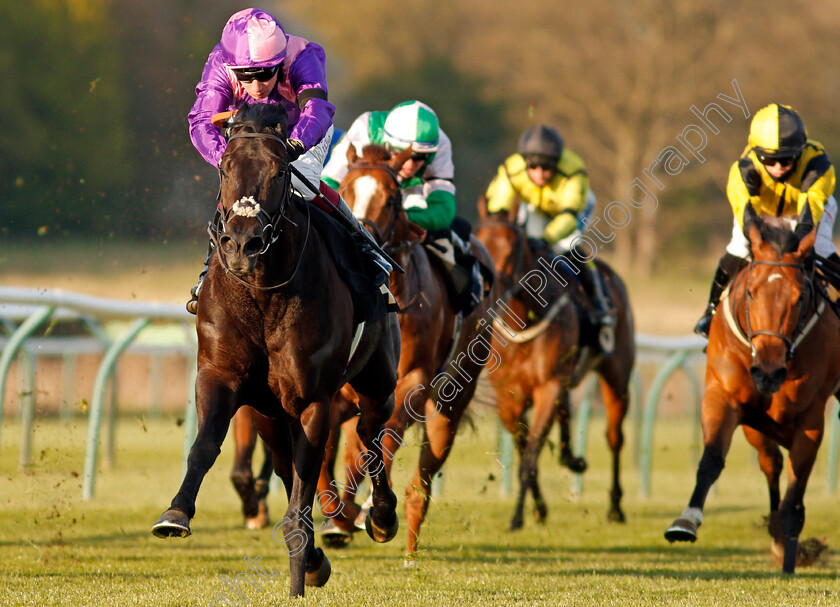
[64, 153]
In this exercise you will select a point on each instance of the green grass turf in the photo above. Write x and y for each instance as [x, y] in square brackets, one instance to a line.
[56, 549]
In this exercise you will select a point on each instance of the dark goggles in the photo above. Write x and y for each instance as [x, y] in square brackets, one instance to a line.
[541, 163]
[262, 74]
[771, 161]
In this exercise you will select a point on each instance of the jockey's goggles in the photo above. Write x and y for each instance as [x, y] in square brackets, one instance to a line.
[262, 74]
[541, 163]
[771, 161]
[420, 156]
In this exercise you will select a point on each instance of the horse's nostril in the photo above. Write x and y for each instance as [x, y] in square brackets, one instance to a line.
[253, 246]
[779, 375]
[227, 244]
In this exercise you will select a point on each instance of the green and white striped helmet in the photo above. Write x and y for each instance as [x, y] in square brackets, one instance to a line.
[412, 123]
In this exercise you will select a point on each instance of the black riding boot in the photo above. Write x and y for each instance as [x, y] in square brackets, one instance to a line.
[602, 314]
[192, 304]
[727, 268]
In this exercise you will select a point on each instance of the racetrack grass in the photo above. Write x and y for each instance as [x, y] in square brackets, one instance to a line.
[56, 549]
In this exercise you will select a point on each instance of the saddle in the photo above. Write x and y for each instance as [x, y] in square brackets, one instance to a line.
[467, 279]
[370, 295]
[593, 333]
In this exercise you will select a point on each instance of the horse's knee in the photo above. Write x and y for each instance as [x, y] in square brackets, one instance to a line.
[711, 465]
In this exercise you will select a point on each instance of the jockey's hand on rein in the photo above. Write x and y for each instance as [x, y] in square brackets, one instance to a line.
[295, 148]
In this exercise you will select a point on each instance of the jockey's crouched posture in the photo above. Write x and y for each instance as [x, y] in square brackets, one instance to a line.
[257, 62]
[552, 183]
[426, 182]
[783, 173]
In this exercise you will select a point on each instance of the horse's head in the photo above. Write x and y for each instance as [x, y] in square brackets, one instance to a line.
[507, 244]
[255, 185]
[372, 190]
[776, 293]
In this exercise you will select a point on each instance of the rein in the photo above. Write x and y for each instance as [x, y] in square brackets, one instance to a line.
[270, 223]
[393, 202]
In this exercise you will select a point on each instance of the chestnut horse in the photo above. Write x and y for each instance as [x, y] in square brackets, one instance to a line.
[275, 331]
[438, 372]
[546, 353]
[773, 361]
[252, 491]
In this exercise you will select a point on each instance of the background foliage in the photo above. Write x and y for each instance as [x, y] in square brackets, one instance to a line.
[96, 143]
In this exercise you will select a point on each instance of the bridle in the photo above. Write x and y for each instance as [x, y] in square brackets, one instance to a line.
[270, 223]
[518, 269]
[798, 333]
[394, 203]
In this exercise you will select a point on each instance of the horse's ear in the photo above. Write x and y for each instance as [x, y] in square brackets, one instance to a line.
[482, 207]
[514, 209]
[806, 244]
[400, 159]
[352, 155]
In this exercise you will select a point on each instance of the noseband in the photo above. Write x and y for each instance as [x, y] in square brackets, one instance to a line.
[394, 203]
[790, 342]
[271, 228]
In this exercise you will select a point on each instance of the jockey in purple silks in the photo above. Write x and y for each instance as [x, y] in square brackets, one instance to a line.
[257, 62]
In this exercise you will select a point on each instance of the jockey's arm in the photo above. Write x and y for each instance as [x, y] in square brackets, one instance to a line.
[434, 209]
[565, 204]
[500, 193]
[357, 135]
[214, 95]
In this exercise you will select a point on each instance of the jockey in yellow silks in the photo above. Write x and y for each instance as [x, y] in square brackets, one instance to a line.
[553, 186]
[783, 173]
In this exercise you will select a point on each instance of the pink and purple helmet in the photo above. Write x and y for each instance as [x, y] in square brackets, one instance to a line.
[253, 39]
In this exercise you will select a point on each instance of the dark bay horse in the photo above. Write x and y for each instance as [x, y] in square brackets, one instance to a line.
[438, 371]
[773, 361]
[275, 328]
[543, 357]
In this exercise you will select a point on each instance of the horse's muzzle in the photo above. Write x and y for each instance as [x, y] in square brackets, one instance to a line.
[241, 250]
[768, 382]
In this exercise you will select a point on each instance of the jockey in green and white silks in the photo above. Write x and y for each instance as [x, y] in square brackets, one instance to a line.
[427, 181]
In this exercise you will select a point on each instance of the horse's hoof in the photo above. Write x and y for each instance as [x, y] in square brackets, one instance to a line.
[334, 536]
[320, 575]
[172, 523]
[682, 530]
[616, 516]
[575, 464]
[410, 562]
[261, 520]
[381, 534]
[515, 525]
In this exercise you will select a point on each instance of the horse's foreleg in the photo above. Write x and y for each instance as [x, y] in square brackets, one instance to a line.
[307, 564]
[719, 422]
[547, 399]
[567, 458]
[770, 460]
[215, 405]
[440, 432]
[803, 453]
[382, 522]
[512, 415]
[242, 477]
[616, 399]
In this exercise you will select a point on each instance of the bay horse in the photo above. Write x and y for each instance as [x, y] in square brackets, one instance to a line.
[545, 355]
[275, 329]
[438, 372]
[773, 361]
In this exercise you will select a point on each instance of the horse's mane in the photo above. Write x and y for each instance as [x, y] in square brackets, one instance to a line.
[263, 115]
[778, 233]
[373, 152]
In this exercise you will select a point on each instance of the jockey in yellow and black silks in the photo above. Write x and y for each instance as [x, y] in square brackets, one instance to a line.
[553, 186]
[783, 173]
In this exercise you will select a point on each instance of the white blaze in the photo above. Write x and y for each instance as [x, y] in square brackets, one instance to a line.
[364, 189]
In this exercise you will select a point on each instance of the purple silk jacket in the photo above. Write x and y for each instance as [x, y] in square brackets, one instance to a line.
[303, 68]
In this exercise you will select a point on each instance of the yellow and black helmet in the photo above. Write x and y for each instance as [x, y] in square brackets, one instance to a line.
[777, 131]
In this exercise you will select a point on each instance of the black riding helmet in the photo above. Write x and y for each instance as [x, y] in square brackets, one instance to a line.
[541, 142]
